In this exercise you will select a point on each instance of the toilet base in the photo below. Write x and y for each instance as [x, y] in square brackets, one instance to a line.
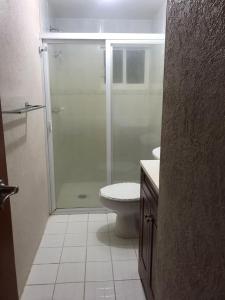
[127, 225]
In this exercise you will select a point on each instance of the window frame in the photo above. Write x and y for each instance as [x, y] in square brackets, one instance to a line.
[133, 86]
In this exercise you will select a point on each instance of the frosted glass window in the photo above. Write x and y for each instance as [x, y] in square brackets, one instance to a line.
[135, 66]
[117, 66]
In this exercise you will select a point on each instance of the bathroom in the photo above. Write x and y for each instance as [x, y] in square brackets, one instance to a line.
[103, 151]
[100, 110]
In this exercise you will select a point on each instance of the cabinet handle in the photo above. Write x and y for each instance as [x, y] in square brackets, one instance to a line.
[148, 218]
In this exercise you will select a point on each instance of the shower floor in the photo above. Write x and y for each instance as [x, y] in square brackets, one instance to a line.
[79, 195]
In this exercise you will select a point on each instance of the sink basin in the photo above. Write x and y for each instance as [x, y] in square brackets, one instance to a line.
[156, 153]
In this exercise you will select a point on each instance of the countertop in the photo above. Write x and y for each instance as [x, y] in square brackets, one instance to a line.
[151, 168]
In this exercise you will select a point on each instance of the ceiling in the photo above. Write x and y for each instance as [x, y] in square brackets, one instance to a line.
[105, 9]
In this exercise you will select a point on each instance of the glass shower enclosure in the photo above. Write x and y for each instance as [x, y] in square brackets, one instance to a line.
[136, 106]
[104, 114]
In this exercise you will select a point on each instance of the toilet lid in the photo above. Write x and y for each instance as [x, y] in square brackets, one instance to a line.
[126, 191]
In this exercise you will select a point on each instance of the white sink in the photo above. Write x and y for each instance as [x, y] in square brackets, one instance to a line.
[156, 153]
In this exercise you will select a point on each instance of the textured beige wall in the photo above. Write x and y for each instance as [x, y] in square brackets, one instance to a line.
[191, 213]
[20, 81]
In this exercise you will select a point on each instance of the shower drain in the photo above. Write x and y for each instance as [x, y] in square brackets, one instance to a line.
[82, 196]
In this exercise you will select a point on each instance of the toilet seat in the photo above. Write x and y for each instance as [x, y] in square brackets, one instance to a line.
[123, 192]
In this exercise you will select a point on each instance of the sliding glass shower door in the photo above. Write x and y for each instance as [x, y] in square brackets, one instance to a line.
[136, 106]
[105, 110]
[78, 108]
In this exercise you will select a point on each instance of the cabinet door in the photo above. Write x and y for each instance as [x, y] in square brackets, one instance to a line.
[153, 260]
[145, 246]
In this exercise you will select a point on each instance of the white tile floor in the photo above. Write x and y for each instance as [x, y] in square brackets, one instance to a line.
[80, 258]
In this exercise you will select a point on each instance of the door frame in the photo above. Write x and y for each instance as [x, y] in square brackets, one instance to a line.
[8, 277]
[110, 40]
[48, 129]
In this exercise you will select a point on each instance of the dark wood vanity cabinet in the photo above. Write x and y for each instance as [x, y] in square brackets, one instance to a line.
[148, 231]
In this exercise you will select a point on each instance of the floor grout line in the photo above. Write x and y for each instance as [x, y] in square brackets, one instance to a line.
[89, 281]
[114, 286]
[85, 270]
[60, 258]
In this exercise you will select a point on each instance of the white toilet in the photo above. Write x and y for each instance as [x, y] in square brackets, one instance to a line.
[124, 199]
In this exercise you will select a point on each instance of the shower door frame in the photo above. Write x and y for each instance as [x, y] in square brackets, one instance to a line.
[110, 40]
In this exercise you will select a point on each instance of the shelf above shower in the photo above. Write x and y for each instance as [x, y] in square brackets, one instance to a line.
[27, 108]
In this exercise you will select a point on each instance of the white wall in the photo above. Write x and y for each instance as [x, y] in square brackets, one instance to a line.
[101, 25]
[95, 17]
[159, 21]
[44, 15]
[20, 81]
